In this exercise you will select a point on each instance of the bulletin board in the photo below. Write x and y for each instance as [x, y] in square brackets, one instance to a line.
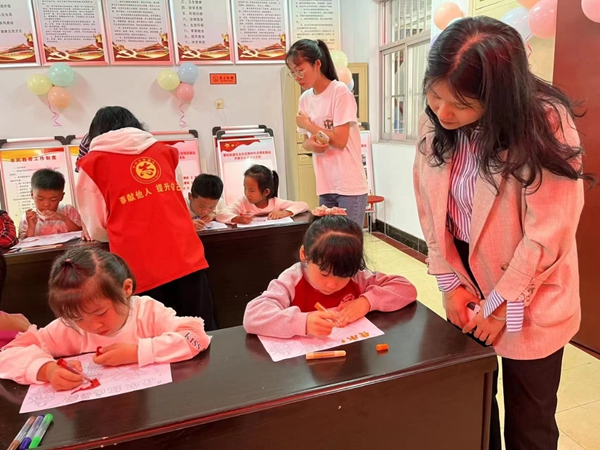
[20, 161]
[237, 149]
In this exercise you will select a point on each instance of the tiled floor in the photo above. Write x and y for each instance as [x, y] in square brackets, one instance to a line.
[578, 413]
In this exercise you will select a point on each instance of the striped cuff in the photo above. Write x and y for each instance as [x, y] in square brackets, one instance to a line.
[447, 282]
[514, 311]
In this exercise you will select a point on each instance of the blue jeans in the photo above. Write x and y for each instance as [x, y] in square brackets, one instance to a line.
[355, 205]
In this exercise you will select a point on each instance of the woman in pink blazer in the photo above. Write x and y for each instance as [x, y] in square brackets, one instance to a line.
[499, 186]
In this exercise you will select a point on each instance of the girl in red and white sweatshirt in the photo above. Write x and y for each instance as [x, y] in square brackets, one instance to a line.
[332, 272]
[90, 291]
[260, 199]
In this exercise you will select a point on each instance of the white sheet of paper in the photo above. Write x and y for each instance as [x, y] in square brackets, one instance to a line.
[280, 349]
[113, 381]
[52, 239]
[214, 225]
[264, 221]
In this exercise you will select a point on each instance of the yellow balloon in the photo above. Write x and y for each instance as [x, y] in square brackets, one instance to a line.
[39, 84]
[168, 80]
[339, 58]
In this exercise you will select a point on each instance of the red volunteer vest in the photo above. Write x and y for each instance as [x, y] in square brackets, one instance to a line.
[149, 224]
[306, 296]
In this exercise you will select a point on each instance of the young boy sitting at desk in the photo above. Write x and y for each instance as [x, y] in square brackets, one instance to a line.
[205, 199]
[49, 215]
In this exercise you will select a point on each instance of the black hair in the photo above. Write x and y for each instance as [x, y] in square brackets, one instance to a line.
[83, 275]
[266, 179]
[483, 59]
[335, 244]
[312, 51]
[207, 186]
[48, 179]
[111, 118]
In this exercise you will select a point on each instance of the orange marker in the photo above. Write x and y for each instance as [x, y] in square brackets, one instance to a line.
[322, 355]
[382, 347]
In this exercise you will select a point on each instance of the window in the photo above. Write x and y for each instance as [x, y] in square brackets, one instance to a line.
[405, 35]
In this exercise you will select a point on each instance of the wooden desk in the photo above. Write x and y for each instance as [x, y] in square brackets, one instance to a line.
[242, 263]
[430, 391]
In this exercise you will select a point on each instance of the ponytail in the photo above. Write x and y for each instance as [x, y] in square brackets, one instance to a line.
[313, 51]
[265, 178]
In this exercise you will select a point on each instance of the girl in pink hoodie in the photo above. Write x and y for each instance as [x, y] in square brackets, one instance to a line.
[90, 291]
[332, 272]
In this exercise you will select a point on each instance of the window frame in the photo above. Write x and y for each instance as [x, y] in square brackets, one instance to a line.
[387, 48]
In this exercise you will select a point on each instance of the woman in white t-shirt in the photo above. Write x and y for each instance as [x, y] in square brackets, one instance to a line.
[327, 105]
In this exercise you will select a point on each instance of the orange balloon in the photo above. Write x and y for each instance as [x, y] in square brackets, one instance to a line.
[345, 75]
[59, 97]
[527, 3]
[446, 13]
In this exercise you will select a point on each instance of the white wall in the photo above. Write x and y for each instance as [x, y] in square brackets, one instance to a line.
[255, 99]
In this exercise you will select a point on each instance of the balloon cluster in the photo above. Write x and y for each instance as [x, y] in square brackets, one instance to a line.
[340, 62]
[181, 82]
[60, 76]
[534, 17]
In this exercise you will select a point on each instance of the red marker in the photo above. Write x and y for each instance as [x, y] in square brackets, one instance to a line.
[65, 365]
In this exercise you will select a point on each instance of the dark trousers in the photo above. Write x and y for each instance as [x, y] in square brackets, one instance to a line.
[530, 388]
[188, 296]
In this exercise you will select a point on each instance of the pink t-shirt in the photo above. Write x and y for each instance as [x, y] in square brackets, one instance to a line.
[337, 171]
[47, 227]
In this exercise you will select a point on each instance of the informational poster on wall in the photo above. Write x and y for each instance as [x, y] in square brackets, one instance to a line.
[18, 165]
[367, 158]
[189, 162]
[18, 39]
[202, 30]
[71, 31]
[139, 32]
[316, 19]
[261, 30]
[236, 156]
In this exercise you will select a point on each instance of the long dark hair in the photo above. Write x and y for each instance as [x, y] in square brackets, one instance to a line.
[312, 51]
[483, 59]
[265, 178]
[85, 274]
[335, 244]
[111, 118]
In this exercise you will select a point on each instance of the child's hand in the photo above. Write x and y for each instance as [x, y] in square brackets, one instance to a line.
[199, 224]
[31, 217]
[245, 219]
[208, 218]
[117, 355]
[353, 310]
[61, 379]
[13, 322]
[320, 323]
[279, 214]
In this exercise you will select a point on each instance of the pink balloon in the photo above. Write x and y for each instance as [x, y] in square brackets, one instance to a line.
[185, 92]
[542, 19]
[446, 13]
[345, 75]
[59, 97]
[591, 8]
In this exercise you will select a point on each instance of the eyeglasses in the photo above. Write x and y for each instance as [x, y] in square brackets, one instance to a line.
[299, 74]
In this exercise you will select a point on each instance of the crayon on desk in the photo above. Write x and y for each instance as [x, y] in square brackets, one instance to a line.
[14, 445]
[323, 355]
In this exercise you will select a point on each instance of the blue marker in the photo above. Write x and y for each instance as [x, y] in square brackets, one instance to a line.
[29, 436]
[39, 435]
